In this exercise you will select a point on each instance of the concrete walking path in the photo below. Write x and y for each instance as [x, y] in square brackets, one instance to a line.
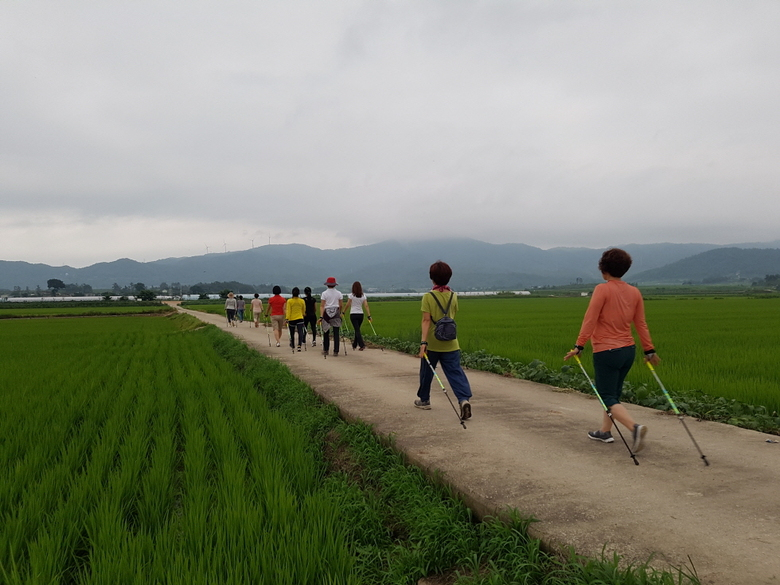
[526, 448]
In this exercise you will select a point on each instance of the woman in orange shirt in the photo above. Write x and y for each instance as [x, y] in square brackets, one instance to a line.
[614, 306]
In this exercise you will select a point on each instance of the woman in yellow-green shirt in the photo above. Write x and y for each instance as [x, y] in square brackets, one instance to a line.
[295, 310]
[446, 353]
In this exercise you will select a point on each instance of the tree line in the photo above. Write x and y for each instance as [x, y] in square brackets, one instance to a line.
[57, 287]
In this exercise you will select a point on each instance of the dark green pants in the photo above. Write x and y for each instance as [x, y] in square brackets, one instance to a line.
[612, 367]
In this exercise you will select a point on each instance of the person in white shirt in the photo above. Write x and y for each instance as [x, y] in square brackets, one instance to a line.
[230, 308]
[331, 307]
[357, 305]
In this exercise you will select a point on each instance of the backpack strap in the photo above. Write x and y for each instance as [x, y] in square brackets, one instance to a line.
[443, 310]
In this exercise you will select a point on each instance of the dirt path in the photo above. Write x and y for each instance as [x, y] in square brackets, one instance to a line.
[526, 448]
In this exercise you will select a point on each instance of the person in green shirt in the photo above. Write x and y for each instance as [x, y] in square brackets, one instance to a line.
[445, 352]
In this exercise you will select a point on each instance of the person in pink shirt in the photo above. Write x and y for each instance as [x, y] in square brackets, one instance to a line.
[613, 308]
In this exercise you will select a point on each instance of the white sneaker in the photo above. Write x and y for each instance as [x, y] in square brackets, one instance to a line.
[639, 438]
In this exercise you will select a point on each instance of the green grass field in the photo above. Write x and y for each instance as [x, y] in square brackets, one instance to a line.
[130, 452]
[66, 309]
[721, 346]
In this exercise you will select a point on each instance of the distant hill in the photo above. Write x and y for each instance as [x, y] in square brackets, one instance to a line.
[389, 265]
[715, 266]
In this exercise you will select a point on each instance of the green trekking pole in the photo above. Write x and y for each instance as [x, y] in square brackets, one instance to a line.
[606, 409]
[374, 330]
[443, 389]
[680, 416]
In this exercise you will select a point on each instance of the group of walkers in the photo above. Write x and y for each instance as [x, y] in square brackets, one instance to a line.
[301, 315]
[613, 308]
[235, 307]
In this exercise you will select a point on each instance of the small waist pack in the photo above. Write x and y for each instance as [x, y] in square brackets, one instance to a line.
[445, 328]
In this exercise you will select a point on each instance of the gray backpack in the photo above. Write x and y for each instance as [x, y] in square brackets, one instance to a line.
[445, 328]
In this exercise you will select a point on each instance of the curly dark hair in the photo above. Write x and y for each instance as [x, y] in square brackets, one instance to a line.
[615, 262]
[440, 273]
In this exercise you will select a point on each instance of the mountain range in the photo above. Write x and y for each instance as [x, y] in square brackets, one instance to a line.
[394, 265]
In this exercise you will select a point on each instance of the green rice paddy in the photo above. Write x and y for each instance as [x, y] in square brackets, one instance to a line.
[131, 453]
[720, 346]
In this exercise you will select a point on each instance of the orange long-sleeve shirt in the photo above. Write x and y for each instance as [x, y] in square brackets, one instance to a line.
[614, 306]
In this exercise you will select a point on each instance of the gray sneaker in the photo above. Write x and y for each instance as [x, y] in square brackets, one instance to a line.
[601, 436]
[424, 404]
[465, 410]
[639, 438]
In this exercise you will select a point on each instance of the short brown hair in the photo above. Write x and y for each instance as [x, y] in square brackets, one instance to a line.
[440, 273]
[615, 262]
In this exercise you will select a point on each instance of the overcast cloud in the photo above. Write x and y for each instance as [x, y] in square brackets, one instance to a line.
[152, 129]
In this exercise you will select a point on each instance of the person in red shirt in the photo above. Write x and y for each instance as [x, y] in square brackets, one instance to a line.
[613, 308]
[276, 308]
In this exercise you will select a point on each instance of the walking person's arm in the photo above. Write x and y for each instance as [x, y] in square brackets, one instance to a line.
[425, 326]
[643, 332]
[365, 308]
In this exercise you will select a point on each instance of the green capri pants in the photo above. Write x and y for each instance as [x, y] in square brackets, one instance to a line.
[612, 366]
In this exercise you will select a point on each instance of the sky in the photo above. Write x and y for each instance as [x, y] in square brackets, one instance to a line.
[155, 129]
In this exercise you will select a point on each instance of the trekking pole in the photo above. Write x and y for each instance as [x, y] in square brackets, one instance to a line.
[343, 330]
[606, 409]
[680, 416]
[322, 336]
[443, 389]
[344, 323]
[375, 335]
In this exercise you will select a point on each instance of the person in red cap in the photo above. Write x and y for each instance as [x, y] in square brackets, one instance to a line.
[331, 307]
